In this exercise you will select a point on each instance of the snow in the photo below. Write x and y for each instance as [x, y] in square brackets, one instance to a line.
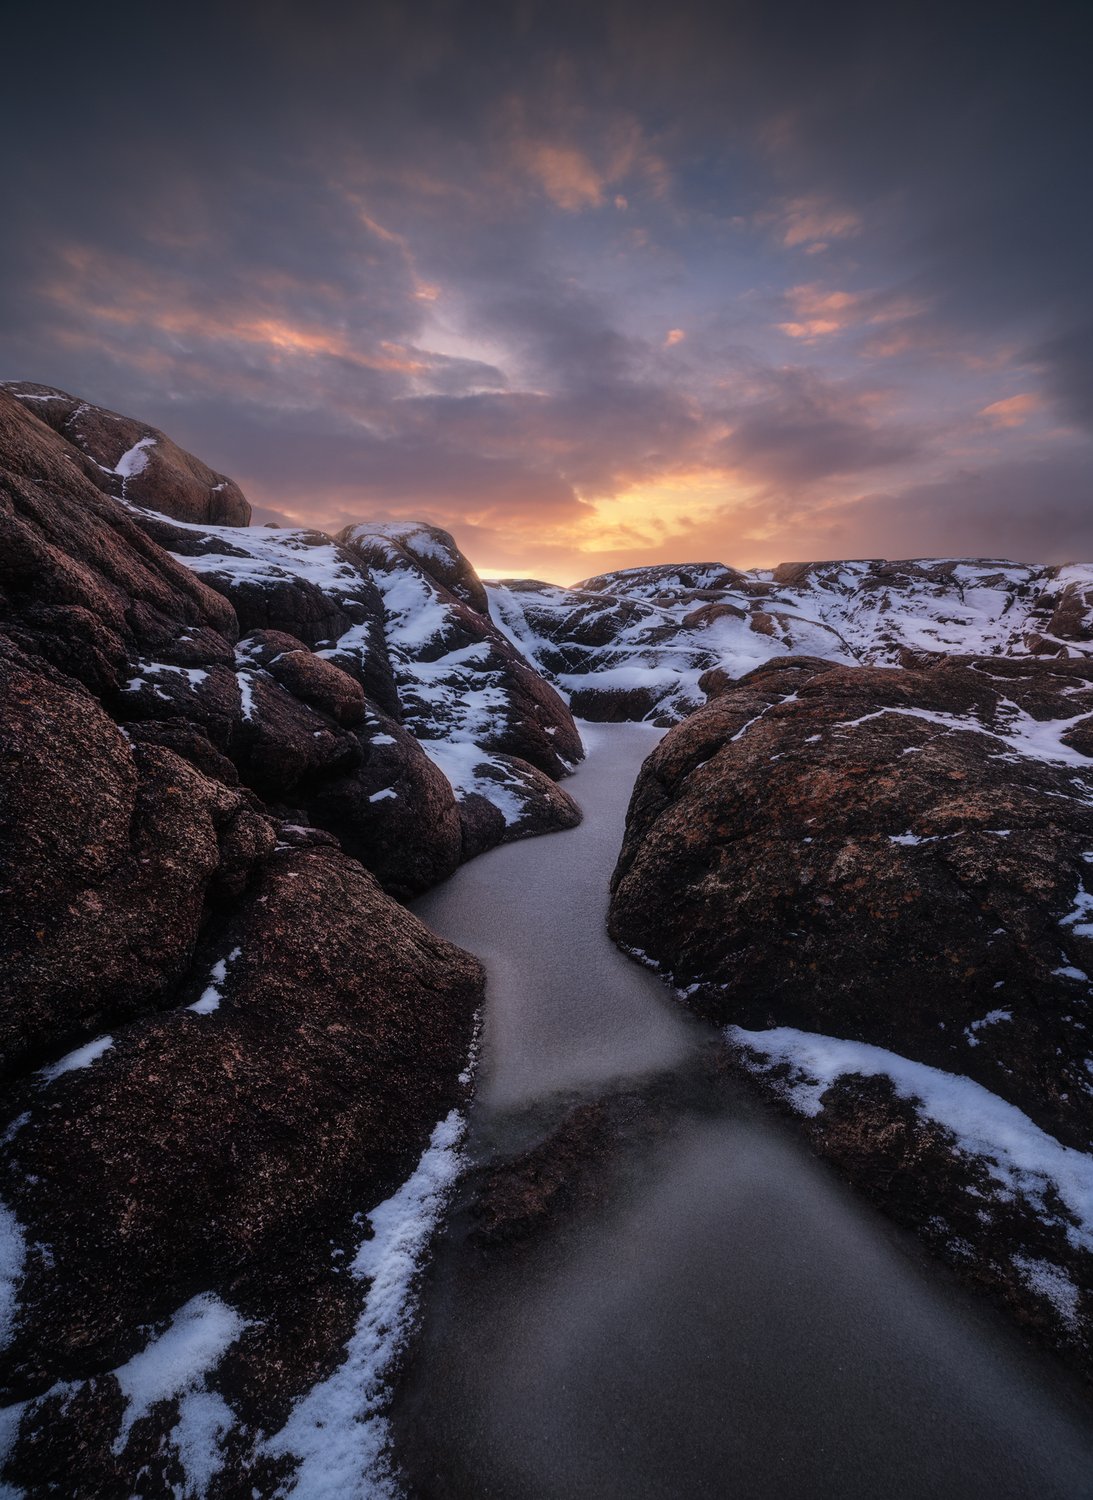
[13, 1254]
[82, 1057]
[464, 764]
[339, 1432]
[1080, 917]
[1017, 1153]
[135, 460]
[383, 795]
[211, 996]
[1053, 1284]
[992, 1018]
[204, 1417]
[246, 694]
[175, 1363]
[1039, 740]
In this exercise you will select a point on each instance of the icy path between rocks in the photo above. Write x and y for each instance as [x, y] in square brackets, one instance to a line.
[720, 1317]
[566, 1009]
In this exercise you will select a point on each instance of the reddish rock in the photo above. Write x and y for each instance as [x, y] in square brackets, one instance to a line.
[307, 676]
[850, 851]
[112, 854]
[136, 462]
[200, 1144]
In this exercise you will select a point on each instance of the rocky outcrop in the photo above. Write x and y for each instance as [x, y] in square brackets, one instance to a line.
[303, 706]
[136, 462]
[201, 1141]
[435, 552]
[222, 1040]
[458, 676]
[640, 643]
[899, 860]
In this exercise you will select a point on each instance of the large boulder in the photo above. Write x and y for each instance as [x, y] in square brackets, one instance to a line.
[880, 880]
[198, 1142]
[459, 677]
[112, 856]
[436, 553]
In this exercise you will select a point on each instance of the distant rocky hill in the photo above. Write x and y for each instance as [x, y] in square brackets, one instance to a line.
[642, 643]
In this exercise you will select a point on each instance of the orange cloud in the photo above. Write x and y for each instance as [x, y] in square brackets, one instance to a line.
[1014, 410]
[566, 175]
[818, 312]
[675, 336]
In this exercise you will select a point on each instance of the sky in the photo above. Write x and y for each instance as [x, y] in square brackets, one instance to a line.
[591, 285]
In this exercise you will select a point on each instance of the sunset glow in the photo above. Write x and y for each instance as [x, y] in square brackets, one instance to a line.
[598, 302]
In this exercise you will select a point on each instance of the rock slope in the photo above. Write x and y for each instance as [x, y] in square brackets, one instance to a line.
[222, 1041]
[879, 881]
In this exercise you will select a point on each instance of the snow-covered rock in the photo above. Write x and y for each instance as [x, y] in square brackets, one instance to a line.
[638, 643]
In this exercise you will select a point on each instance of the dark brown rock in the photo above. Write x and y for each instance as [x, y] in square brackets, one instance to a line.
[112, 854]
[848, 850]
[200, 1144]
[307, 676]
[395, 811]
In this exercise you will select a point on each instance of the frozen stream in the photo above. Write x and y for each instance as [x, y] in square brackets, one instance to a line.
[722, 1317]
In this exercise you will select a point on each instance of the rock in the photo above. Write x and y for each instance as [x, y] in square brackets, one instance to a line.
[901, 859]
[639, 643]
[112, 854]
[435, 552]
[199, 1144]
[76, 573]
[807, 825]
[458, 677]
[395, 811]
[137, 463]
[312, 678]
[517, 801]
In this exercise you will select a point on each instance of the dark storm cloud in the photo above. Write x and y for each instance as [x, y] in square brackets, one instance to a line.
[496, 261]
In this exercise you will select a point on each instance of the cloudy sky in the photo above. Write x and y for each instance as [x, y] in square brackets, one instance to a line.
[589, 284]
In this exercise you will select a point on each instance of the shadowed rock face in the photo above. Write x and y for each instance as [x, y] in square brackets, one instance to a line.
[199, 1143]
[899, 858]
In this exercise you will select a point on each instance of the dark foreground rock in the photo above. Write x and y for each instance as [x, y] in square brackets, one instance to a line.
[900, 859]
[222, 1042]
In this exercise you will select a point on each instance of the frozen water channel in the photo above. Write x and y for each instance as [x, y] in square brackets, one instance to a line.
[722, 1317]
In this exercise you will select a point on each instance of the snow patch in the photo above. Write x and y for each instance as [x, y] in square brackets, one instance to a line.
[174, 1364]
[135, 459]
[339, 1431]
[1016, 1152]
[212, 996]
[82, 1057]
[13, 1255]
